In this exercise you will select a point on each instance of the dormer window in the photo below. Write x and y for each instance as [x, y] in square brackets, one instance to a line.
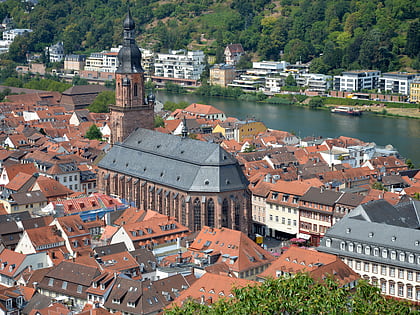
[116, 301]
[131, 304]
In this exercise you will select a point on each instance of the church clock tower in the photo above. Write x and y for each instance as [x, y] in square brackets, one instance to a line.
[131, 109]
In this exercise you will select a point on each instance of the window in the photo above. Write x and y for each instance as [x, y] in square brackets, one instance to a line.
[343, 246]
[417, 276]
[79, 288]
[384, 253]
[409, 292]
[383, 287]
[418, 294]
[271, 217]
[289, 221]
[366, 267]
[393, 255]
[51, 282]
[367, 250]
[383, 270]
[64, 285]
[392, 288]
[409, 275]
[400, 290]
[350, 263]
[283, 220]
[350, 247]
[376, 251]
[411, 258]
[359, 248]
[402, 256]
[277, 218]
[400, 273]
[375, 268]
[294, 223]
[328, 242]
[391, 271]
[358, 265]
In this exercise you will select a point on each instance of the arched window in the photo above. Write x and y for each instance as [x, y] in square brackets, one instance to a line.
[197, 214]
[225, 213]
[237, 214]
[183, 212]
[210, 213]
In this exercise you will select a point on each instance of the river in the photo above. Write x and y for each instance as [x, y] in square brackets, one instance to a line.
[402, 133]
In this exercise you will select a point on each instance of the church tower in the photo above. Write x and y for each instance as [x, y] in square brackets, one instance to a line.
[131, 110]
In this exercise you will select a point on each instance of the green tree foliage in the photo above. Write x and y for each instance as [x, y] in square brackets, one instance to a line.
[93, 133]
[79, 81]
[101, 102]
[340, 34]
[47, 85]
[410, 164]
[316, 102]
[300, 295]
[174, 88]
[159, 122]
[290, 81]
[171, 106]
[378, 186]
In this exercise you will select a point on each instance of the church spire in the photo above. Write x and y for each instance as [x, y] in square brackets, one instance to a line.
[129, 56]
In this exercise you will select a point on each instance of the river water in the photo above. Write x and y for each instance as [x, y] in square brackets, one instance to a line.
[402, 133]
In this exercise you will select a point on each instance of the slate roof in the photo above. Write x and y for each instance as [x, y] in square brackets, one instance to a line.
[321, 196]
[23, 198]
[185, 164]
[377, 223]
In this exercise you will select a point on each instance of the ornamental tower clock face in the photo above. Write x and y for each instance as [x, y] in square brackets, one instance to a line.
[131, 109]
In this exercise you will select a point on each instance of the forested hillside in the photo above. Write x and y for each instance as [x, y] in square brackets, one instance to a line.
[336, 34]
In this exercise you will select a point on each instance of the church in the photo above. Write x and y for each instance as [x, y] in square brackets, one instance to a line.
[196, 182]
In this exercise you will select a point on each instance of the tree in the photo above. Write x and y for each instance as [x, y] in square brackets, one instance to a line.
[316, 102]
[379, 186]
[410, 164]
[79, 81]
[101, 102]
[159, 122]
[290, 81]
[93, 133]
[300, 295]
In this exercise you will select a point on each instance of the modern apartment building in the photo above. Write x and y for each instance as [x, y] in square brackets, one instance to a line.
[351, 81]
[180, 64]
[396, 82]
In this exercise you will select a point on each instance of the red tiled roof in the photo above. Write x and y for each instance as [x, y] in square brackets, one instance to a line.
[18, 181]
[201, 109]
[10, 262]
[237, 248]
[13, 169]
[211, 287]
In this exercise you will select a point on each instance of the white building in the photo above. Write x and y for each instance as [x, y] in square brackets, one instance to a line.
[381, 243]
[267, 67]
[357, 80]
[104, 61]
[314, 81]
[396, 82]
[274, 84]
[10, 35]
[180, 64]
[56, 52]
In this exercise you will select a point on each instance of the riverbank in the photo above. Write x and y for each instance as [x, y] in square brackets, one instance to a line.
[387, 111]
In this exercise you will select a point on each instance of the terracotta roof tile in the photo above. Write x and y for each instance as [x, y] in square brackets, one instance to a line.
[212, 287]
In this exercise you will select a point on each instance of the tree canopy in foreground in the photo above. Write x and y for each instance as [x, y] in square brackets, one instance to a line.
[300, 295]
